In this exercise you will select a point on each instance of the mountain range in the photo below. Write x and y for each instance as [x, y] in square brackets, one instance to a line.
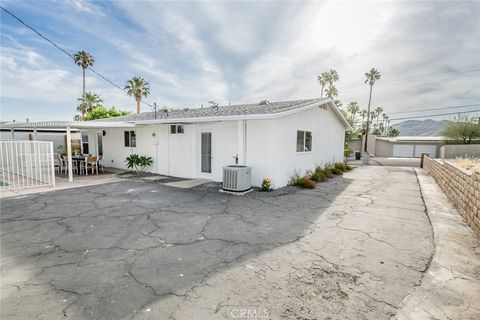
[427, 127]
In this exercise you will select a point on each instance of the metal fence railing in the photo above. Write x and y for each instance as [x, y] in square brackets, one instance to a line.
[26, 164]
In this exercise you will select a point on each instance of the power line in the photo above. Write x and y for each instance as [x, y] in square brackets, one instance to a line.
[423, 116]
[442, 108]
[433, 115]
[66, 52]
[413, 80]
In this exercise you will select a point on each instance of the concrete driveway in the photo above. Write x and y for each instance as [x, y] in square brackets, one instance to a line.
[352, 248]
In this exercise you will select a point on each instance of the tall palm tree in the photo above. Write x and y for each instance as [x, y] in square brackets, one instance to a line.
[371, 77]
[137, 87]
[84, 60]
[331, 92]
[89, 101]
[353, 108]
[324, 79]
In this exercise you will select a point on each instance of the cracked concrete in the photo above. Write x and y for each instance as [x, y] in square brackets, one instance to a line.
[451, 287]
[353, 248]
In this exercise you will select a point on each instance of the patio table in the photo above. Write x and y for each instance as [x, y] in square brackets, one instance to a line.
[79, 160]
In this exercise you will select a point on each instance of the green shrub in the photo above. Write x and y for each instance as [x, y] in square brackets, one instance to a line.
[340, 166]
[328, 171]
[295, 179]
[337, 171]
[319, 174]
[138, 163]
[304, 182]
[347, 152]
[348, 167]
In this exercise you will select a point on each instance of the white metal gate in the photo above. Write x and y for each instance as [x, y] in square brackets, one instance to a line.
[26, 164]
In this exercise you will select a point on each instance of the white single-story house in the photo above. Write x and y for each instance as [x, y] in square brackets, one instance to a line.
[276, 139]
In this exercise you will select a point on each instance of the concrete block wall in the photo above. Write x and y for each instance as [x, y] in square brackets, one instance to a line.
[460, 186]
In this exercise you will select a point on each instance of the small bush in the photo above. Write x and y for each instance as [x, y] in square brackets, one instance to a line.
[304, 182]
[138, 163]
[295, 179]
[340, 166]
[336, 171]
[328, 171]
[348, 167]
[319, 174]
[347, 152]
[266, 183]
[307, 183]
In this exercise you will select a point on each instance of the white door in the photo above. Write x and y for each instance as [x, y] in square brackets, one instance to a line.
[206, 153]
[403, 150]
[425, 148]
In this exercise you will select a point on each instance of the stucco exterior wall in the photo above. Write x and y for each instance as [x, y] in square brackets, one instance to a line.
[328, 136]
[383, 148]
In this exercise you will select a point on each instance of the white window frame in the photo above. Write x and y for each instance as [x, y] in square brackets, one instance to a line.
[82, 142]
[304, 141]
[176, 126]
[130, 138]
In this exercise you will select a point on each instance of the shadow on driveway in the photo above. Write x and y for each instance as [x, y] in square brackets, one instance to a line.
[108, 251]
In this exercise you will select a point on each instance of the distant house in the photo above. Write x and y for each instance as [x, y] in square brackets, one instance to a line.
[276, 139]
[399, 147]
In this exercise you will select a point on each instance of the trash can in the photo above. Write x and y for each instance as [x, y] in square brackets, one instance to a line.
[358, 155]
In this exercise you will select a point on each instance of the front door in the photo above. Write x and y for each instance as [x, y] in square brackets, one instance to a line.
[206, 149]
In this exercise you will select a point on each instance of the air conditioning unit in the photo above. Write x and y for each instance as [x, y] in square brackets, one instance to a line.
[237, 178]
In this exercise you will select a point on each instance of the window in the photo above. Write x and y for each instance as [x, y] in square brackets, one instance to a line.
[304, 141]
[130, 139]
[177, 129]
[84, 142]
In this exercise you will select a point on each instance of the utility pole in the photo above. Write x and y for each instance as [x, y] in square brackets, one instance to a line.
[155, 109]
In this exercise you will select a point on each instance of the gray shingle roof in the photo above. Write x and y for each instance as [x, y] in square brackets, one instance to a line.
[232, 110]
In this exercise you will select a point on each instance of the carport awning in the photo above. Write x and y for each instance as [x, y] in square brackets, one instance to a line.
[66, 124]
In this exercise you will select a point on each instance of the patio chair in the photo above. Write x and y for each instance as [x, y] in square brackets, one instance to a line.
[58, 162]
[100, 163]
[65, 165]
[91, 162]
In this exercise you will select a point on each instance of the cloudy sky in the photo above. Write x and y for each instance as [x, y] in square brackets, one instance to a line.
[239, 52]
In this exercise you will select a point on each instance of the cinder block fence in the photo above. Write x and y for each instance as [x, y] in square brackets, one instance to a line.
[460, 186]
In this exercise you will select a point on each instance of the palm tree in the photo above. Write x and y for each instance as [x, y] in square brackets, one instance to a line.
[137, 87]
[378, 112]
[327, 78]
[84, 60]
[324, 78]
[353, 108]
[89, 101]
[385, 121]
[371, 77]
[331, 92]
[333, 76]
